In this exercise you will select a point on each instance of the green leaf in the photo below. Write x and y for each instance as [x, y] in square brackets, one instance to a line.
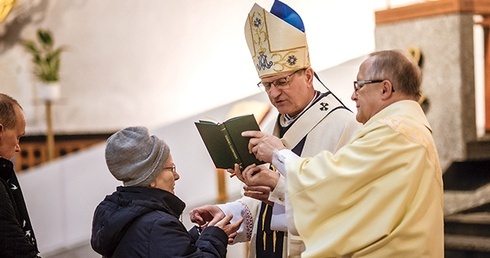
[45, 37]
[45, 57]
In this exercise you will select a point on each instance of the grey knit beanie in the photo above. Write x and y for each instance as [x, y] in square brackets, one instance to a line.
[134, 157]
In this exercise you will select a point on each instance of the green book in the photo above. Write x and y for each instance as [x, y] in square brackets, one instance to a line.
[224, 141]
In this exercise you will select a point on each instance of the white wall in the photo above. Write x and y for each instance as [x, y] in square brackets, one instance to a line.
[153, 62]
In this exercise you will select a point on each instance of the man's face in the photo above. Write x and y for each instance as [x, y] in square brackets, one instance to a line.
[292, 97]
[368, 97]
[9, 138]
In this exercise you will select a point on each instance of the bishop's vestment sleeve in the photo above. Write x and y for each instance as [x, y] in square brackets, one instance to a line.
[245, 207]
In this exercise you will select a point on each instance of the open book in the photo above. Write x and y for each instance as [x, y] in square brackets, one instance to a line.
[224, 141]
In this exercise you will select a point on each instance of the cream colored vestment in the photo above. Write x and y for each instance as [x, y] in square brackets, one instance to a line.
[381, 195]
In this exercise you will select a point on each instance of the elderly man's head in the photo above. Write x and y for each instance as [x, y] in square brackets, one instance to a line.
[12, 126]
[279, 51]
[385, 77]
[290, 92]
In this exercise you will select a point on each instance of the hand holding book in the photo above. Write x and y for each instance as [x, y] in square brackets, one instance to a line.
[224, 141]
[263, 145]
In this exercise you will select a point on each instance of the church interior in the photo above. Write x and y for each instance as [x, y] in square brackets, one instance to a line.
[166, 64]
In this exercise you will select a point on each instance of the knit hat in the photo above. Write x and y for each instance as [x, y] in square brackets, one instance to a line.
[134, 157]
[276, 40]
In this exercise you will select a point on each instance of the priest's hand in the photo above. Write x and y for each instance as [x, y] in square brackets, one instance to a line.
[260, 175]
[230, 228]
[259, 180]
[260, 193]
[262, 145]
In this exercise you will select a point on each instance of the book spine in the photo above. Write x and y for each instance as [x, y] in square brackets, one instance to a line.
[232, 147]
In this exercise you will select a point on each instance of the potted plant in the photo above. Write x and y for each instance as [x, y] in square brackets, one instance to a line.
[46, 60]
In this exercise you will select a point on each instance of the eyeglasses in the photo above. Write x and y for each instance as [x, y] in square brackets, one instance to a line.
[359, 84]
[172, 168]
[281, 83]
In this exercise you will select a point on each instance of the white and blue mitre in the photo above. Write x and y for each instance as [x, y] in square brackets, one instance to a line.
[276, 40]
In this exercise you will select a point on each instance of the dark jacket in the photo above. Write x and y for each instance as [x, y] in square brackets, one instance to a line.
[16, 233]
[144, 222]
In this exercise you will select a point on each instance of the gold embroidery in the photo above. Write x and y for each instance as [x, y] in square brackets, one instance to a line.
[274, 241]
[273, 168]
[264, 235]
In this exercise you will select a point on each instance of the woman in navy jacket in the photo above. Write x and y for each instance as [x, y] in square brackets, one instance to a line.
[141, 219]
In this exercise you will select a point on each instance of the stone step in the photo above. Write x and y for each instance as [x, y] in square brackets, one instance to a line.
[470, 224]
[456, 246]
[468, 175]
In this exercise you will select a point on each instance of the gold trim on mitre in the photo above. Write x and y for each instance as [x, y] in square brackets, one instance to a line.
[274, 44]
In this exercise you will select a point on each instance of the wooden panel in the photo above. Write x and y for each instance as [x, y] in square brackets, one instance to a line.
[35, 152]
[432, 8]
[481, 7]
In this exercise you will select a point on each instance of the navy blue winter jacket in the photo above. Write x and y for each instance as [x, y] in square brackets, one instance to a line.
[16, 234]
[144, 222]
